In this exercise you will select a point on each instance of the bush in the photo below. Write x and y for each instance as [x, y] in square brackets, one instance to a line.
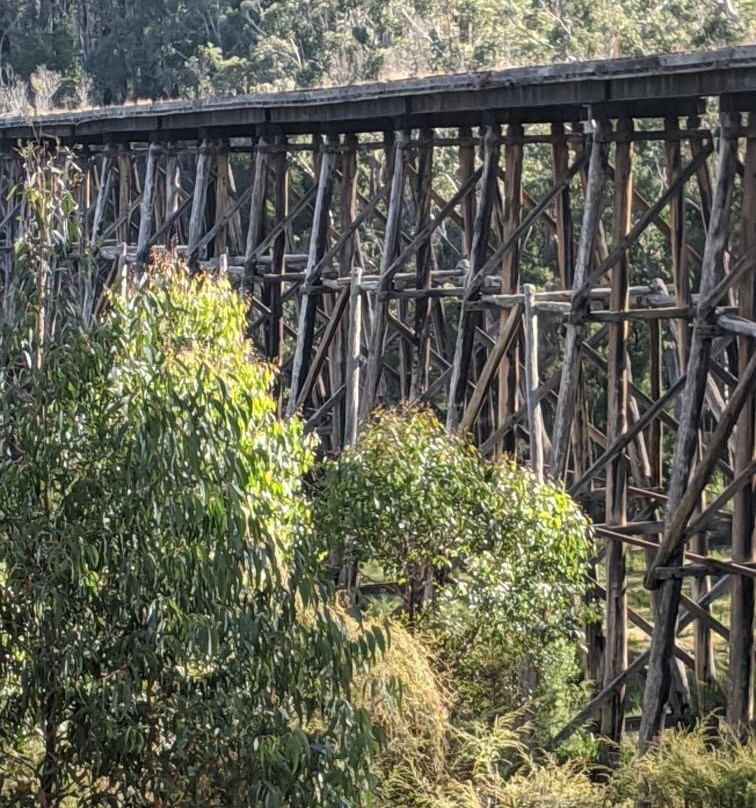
[163, 633]
[550, 786]
[400, 499]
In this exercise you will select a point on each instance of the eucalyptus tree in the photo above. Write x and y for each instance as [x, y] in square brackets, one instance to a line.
[164, 638]
[487, 559]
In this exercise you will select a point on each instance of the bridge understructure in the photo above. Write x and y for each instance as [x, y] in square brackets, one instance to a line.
[497, 246]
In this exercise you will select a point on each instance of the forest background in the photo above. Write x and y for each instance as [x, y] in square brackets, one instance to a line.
[92, 52]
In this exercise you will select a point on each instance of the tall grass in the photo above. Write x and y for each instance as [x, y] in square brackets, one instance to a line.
[698, 769]
[431, 762]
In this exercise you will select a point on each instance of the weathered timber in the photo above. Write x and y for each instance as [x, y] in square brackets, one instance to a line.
[613, 712]
[658, 679]
[575, 328]
[536, 430]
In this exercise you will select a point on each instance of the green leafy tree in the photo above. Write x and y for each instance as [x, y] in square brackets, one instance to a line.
[488, 558]
[170, 48]
[164, 639]
[401, 499]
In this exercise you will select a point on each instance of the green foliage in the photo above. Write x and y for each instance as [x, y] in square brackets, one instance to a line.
[506, 629]
[488, 558]
[401, 497]
[163, 635]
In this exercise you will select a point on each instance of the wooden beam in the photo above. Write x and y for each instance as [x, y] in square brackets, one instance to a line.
[199, 198]
[318, 235]
[740, 682]
[374, 365]
[575, 328]
[536, 431]
[615, 657]
[423, 264]
[469, 318]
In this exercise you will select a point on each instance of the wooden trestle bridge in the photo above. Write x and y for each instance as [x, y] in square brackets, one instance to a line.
[384, 233]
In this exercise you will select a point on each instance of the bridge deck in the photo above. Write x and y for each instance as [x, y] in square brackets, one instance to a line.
[643, 87]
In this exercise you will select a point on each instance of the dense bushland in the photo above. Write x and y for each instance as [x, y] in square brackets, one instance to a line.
[483, 558]
[93, 51]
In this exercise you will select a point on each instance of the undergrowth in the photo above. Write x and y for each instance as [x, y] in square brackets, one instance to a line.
[430, 761]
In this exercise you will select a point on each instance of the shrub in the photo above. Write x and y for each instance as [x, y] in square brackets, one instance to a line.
[400, 499]
[162, 629]
[550, 786]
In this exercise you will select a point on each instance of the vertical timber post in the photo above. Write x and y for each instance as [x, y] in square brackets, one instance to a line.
[380, 306]
[466, 169]
[571, 361]
[318, 237]
[509, 375]
[145, 212]
[469, 318]
[259, 170]
[423, 263]
[172, 189]
[615, 660]
[222, 168]
[535, 418]
[351, 268]
[199, 199]
[123, 216]
[740, 695]
[274, 331]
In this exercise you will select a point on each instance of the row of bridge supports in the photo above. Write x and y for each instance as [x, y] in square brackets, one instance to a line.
[508, 278]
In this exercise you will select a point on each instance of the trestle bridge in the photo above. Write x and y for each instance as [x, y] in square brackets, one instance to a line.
[495, 245]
